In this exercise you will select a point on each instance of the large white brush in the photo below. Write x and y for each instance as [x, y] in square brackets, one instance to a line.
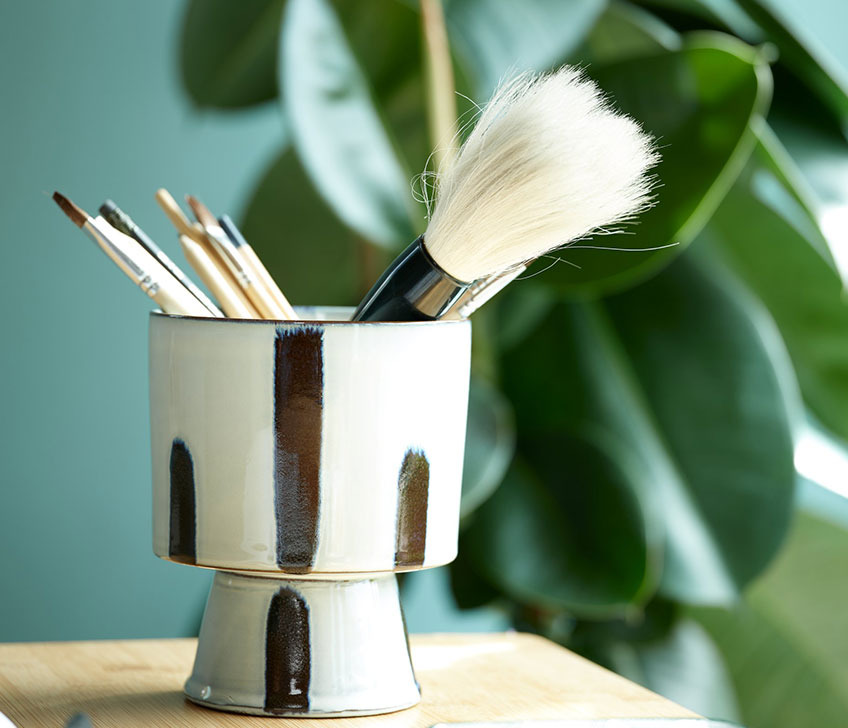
[549, 161]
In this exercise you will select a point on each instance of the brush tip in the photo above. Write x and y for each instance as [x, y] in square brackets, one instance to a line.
[201, 212]
[548, 162]
[78, 215]
[108, 208]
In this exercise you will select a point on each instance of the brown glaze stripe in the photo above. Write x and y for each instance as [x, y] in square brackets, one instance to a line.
[182, 539]
[411, 528]
[287, 653]
[298, 409]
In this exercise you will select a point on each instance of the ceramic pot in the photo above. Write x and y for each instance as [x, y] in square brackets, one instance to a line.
[310, 461]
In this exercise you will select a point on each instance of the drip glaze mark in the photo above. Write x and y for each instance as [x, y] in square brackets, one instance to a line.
[182, 541]
[411, 529]
[287, 653]
[298, 405]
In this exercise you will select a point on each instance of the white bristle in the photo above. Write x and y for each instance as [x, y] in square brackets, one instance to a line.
[548, 162]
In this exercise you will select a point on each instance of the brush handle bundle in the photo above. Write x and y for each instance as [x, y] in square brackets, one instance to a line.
[548, 162]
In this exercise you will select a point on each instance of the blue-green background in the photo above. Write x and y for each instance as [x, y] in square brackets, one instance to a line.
[91, 106]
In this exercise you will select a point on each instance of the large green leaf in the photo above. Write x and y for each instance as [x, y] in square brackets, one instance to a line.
[765, 234]
[625, 31]
[489, 444]
[385, 38]
[684, 665]
[815, 161]
[691, 388]
[787, 646]
[311, 255]
[811, 40]
[337, 130]
[722, 14]
[567, 534]
[228, 51]
[698, 102]
[495, 38]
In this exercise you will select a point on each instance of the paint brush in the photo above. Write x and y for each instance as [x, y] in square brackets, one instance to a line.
[141, 267]
[178, 218]
[254, 262]
[120, 220]
[199, 259]
[195, 232]
[232, 257]
[548, 162]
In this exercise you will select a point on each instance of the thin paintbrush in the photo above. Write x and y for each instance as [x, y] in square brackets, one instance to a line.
[177, 217]
[253, 260]
[119, 220]
[244, 275]
[199, 259]
[141, 267]
[548, 162]
[195, 231]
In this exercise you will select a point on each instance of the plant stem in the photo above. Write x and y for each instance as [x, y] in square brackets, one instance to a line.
[441, 92]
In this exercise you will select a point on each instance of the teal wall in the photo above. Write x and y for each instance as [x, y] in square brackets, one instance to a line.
[91, 106]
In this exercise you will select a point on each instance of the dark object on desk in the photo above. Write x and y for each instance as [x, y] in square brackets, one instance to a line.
[80, 720]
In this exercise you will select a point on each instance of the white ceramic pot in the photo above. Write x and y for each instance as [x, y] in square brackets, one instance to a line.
[319, 457]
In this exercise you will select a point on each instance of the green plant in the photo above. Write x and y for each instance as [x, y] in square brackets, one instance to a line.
[654, 388]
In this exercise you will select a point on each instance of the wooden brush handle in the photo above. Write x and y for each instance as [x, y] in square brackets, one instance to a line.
[221, 288]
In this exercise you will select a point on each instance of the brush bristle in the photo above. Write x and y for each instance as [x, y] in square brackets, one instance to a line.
[201, 212]
[549, 161]
[78, 215]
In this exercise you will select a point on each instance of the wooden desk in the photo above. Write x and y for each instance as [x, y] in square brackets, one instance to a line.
[138, 683]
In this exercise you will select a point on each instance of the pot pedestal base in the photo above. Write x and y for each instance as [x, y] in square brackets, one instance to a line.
[303, 647]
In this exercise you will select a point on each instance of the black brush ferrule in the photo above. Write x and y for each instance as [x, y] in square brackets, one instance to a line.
[233, 233]
[413, 288]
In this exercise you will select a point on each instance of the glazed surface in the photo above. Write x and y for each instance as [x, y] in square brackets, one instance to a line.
[307, 448]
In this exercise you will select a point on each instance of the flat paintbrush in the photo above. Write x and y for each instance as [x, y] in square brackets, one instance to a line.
[548, 162]
[195, 232]
[241, 271]
[199, 259]
[255, 263]
[119, 220]
[141, 267]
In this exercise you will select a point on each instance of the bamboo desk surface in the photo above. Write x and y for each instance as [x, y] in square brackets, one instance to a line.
[138, 683]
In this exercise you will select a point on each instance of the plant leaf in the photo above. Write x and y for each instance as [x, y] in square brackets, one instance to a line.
[336, 129]
[811, 43]
[723, 14]
[495, 39]
[489, 444]
[626, 31]
[567, 534]
[684, 666]
[786, 646]
[228, 52]
[386, 40]
[763, 232]
[692, 389]
[309, 253]
[469, 588]
[698, 102]
[817, 167]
